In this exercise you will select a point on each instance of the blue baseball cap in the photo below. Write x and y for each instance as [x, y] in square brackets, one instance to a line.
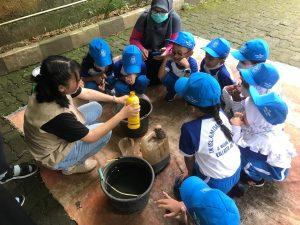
[185, 39]
[218, 48]
[208, 206]
[200, 89]
[100, 52]
[270, 105]
[253, 50]
[263, 75]
[132, 59]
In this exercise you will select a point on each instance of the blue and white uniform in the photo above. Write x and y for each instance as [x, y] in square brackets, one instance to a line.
[174, 71]
[222, 73]
[217, 159]
[266, 151]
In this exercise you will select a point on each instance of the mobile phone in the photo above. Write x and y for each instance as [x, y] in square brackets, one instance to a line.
[155, 53]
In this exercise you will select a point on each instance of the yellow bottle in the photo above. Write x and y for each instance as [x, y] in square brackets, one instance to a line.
[133, 122]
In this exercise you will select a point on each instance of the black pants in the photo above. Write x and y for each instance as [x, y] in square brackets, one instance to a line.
[152, 70]
[3, 163]
[11, 212]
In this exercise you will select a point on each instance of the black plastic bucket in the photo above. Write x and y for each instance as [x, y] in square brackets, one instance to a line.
[131, 175]
[146, 109]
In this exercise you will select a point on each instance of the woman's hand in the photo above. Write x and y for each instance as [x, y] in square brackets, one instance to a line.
[129, 111]
[145, 54]
[121, 100]
[173, 207]
[164, 53]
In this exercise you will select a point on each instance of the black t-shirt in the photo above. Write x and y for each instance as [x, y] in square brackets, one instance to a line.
[66, 126]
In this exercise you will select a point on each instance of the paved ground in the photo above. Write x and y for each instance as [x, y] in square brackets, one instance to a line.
[276, 21]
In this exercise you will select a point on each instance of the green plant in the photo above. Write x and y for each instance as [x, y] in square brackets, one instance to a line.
[111, 5]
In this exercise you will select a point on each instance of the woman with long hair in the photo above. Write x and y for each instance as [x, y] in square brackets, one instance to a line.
[60, 135]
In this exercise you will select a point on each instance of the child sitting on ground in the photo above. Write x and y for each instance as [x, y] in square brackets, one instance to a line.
[201, 205]
[263, 77]
[130, 72]
[206, 141]
[97, 66]
[178, 64]
[265, 148]
[216, 52]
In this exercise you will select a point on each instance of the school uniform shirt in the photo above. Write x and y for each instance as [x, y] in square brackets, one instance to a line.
[88, 69]
[222, 74]
[215, 155]
[178, 70]
[50, 130]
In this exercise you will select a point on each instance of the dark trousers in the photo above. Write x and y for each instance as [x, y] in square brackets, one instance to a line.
[11, 212]
[152, 70]
[3, 163]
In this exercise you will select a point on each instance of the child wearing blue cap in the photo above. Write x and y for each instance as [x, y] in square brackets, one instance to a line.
[262, 76]
[178, 64]
[206, 142]
[216, 52]
[201, 205]
[97, 66]
[251, 53]
[130, 72]
[266, 151]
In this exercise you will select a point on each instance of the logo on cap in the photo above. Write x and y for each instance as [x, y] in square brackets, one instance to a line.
[188, 43]
[267, 111]
[259, 56]
[103, 53]
[215, 44]
[132, 60]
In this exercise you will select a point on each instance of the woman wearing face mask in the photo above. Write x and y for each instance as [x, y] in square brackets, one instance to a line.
[61, 136]
[151, 32]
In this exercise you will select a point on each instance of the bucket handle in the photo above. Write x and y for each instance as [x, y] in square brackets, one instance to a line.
[101, 176]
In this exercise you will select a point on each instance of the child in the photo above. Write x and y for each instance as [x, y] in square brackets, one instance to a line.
[265, 148]
[206, 141]
[216, 53]
[251, 53]
[97, 66]
[263, 77]
[178, 64]
[201, 205]
[130, 72]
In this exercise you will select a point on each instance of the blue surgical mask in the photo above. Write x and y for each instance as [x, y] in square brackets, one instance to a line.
[159, 17]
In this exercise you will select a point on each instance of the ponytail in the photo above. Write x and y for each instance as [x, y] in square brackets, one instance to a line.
[215, 112]
[216, 115]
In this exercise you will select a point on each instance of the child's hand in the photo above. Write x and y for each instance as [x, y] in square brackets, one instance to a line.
[173, 207]
[234, 91]
[237, 119]
[185, 63]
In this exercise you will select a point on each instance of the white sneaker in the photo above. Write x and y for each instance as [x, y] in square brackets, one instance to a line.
[85, 167]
